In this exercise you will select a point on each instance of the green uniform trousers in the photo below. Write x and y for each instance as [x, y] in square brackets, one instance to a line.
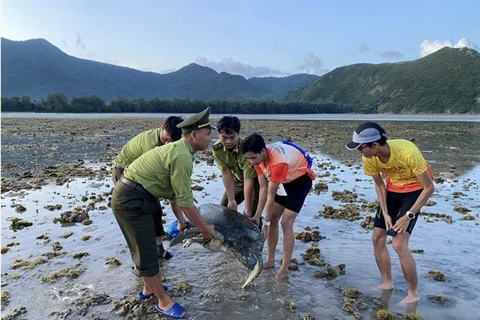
[133, 210]
[239, 195]
[117, 172]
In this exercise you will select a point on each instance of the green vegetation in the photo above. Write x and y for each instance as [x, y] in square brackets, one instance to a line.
[36, 68]
[57, 102]
[447, 81]
[39, 77]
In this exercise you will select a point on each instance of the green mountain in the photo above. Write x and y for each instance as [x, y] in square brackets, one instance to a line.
[36, 68]
[446, 81]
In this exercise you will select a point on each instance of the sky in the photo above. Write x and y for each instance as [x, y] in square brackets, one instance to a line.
[249, 38]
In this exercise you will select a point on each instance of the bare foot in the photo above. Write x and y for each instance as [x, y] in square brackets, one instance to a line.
[386, 286]
[268, 265]
[146, 292]
[411, 298]
[281, 276]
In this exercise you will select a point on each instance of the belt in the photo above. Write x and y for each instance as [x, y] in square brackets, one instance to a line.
[133, 185]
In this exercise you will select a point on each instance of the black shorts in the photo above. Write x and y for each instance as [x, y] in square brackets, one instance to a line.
[297, 190]
[397, 205]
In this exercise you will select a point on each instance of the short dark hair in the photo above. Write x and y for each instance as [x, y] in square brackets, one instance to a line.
[229, 125]
[382, 141]
[170, 126]
[253, 143]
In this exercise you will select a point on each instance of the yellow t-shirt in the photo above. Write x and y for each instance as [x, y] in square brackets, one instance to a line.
[405, 164]
[166, 172]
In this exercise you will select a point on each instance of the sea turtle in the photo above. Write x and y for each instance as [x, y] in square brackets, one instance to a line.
[236, 235]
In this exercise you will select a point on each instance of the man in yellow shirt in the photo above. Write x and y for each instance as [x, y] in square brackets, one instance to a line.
[138, 145]
[407, 187]
[163, 172]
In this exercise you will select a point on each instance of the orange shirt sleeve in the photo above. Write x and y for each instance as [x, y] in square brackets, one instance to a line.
[258, 170]
[279, 172]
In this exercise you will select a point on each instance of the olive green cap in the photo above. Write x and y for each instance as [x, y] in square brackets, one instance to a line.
[197, 121]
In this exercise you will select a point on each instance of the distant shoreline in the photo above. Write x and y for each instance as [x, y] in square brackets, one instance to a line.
[273, 117]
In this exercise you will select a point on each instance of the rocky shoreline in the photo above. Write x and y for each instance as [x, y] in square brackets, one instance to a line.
[37, 152]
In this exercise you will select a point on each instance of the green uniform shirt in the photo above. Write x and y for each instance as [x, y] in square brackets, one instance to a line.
[233, 160]
[140, 144]
[166, 172]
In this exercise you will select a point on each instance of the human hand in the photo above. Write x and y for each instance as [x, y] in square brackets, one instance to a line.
[255, 220]
[402, 224]
[388, 221]
[247, 214]
[208, 232]
[183, 225]
[232, 204]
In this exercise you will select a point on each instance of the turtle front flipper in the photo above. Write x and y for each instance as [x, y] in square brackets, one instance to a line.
[186, 234]
[257, 269]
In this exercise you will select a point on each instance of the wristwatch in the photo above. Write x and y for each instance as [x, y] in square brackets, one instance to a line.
[410, 215]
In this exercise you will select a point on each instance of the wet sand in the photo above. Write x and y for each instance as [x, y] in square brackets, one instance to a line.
[52, 162]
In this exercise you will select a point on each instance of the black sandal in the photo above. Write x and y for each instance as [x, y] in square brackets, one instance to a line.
[162, 253]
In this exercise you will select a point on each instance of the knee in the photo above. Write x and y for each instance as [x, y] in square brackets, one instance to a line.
[273, 218]
[400, 247]
[287, 224]
[379, 239]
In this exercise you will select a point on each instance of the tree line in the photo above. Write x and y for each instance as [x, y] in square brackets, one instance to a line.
[59, 103]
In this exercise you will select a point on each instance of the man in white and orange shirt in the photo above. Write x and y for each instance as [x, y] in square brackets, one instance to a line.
[285, 177]
[407, 187]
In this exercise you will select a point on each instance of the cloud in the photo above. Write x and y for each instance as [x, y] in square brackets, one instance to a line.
[430, 46]
[236, 67]
[79, 43]
[363, 48]
[65, 43]
[312, 64]
[392, 55]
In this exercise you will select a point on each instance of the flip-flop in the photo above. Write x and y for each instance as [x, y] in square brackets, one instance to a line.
[175, 311]
[141, 296]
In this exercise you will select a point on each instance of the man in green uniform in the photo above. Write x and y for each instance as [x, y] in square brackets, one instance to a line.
[141, 143]
[163, 172]
[238, 175]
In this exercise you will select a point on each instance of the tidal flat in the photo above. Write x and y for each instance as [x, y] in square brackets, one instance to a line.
[56, 269]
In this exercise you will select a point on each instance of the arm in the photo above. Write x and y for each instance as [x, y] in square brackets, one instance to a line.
[182, 223]
[248, 195]
[272, 190]
[228, 183]
[428, 188]
[262, 199]
[207, 230]
[381, 191]
[180, 178]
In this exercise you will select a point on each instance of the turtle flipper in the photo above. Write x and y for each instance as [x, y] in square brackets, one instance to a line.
[186, 234]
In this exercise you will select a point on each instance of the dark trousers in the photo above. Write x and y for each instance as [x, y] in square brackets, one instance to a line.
[133, 210]
[240, 196]
[157, 216]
